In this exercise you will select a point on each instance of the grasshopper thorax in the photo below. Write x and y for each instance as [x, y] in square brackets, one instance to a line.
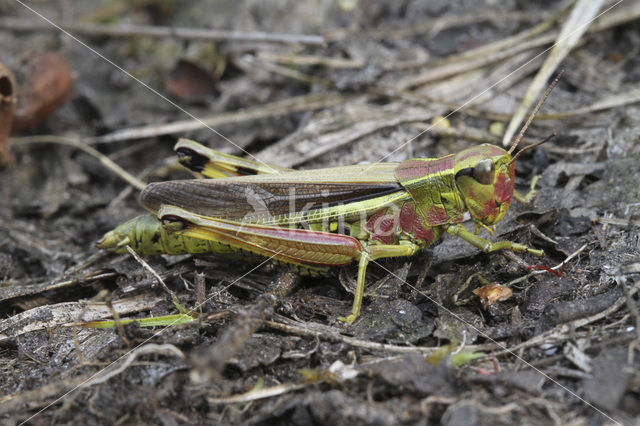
[484, 175]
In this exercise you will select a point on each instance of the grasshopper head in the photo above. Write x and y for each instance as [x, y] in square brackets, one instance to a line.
[484, 175]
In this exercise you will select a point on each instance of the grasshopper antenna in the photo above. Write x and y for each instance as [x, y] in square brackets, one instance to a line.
[527, 148]
[533, 114]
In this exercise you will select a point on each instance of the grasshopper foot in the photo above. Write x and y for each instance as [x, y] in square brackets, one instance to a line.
[348, 320]
[522, 248]
[537, 252]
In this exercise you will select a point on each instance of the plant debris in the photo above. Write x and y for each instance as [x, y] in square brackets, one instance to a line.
[91, 337]
[8, 100]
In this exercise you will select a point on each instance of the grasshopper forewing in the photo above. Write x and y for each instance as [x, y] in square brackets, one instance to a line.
[317, 219]
[145, 234]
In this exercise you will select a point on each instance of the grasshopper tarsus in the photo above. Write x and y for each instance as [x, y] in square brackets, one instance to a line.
[348, 320]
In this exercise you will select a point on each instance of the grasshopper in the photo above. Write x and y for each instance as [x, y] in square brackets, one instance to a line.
[318, 219]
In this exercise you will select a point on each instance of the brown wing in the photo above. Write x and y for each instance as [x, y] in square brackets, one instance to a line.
[258, 197]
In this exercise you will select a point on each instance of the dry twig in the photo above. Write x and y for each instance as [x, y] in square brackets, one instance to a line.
[124, 30]
[212, 362]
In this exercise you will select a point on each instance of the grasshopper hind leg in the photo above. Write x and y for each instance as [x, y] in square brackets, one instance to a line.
[371, 253]
[359, 293]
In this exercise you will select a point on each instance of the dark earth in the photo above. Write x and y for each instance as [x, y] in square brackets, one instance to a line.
[309, 84]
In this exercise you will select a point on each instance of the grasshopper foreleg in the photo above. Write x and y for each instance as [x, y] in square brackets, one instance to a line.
[526, 199]
[370, 253]
[487, 246]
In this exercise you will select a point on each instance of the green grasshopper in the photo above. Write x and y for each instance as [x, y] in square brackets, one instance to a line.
[318, 219]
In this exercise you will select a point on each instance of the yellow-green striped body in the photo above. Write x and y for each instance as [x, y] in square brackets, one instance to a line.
[145, 235]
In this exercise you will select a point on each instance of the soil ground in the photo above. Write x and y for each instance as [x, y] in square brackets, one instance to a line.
[263, 345]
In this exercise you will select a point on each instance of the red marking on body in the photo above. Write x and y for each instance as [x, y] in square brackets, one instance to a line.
[407, 218]
[411, 224]
[371, 222]
[436, 215]
[489, 208]
[472, 193]
[382, 226]
[426, 234]
[504, 186]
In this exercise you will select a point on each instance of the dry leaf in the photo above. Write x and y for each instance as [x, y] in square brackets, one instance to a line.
[492, 293]
[47, 86]
[189, 82]
[8, 96]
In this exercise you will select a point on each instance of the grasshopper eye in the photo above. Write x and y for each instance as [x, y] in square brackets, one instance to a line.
[483, 172]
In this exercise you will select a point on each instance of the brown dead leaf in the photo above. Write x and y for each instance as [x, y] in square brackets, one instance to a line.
[46, 87]
[8, 96]
[492, 293]
[190, 82]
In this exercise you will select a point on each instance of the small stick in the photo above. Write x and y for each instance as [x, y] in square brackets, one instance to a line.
[546, 268]
[163, 32]
[79, 144]
[566, 331]
[201, 291]
[554, 268]
[146, 266]
[296, 104]
[255, 394]
[310, 329]
[107, 373]
[209, 364]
